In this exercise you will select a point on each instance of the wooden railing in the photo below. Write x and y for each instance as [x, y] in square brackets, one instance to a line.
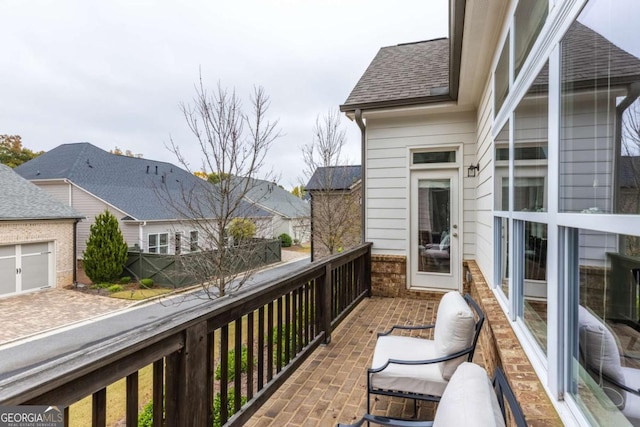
[277, 325]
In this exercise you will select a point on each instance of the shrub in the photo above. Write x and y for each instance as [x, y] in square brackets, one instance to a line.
[230, 405]
[146, 283]
[285, 240]
[102, 285]
[241, 229]
[145, 418]
[115, 288]
[124, 280]
[106, 250]
[244, 364]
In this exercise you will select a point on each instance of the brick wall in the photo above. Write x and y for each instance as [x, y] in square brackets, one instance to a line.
[389, 279]
[59, 231]
[500, 347]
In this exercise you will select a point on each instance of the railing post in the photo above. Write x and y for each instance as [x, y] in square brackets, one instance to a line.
[325, 321]
[187, 393]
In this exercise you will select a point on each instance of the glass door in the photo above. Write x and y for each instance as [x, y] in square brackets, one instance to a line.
[435, 259]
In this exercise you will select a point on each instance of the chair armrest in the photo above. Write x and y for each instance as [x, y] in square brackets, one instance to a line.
[629, 356]
[409, 328]
[385, 421]
[420, 362]
[616, 383]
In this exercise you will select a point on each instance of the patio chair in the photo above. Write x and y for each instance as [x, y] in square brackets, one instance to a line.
[418, 368]
[600, 355]
[470, 400]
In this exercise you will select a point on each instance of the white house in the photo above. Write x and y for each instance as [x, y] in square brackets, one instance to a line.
[514, 143]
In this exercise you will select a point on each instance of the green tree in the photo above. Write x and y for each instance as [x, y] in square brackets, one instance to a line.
[12, 153]
[241, 229]
[106, 250]
[298, 191]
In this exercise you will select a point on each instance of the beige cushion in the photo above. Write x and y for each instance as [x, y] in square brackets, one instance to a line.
[632, 407]
[453, 331]
[424, 379]
[600, 351]
[469, 400]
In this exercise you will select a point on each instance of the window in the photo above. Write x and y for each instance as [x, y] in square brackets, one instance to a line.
[604, 331]
[193, 241]
[434, 157]
[501, 78]
[530, 147]
[501, 200]
[178, 243]
[159, 243]
[534, 288]
[529, 19]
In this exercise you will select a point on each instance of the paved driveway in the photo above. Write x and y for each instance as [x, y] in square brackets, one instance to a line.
[29, 314]
[36, 312]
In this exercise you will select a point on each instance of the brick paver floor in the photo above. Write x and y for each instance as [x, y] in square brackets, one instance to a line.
[36, 312]
[330, 386]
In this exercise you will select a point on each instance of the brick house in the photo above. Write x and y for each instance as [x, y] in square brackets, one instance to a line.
[37, 246]
[335, 197]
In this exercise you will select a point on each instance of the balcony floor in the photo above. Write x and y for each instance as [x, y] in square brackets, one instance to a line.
[330, 386]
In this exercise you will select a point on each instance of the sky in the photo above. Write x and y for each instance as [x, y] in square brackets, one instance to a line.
[113, 73]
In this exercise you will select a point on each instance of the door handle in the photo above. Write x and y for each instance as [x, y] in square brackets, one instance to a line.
[455, 234]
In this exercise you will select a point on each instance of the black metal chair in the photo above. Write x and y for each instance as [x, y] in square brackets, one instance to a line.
[483, 413]
[419, 368]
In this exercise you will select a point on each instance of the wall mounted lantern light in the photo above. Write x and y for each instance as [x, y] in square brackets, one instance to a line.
[471, 171]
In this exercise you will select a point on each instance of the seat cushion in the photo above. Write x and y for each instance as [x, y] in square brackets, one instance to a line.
[423, 379]
[632, 408]
[469, 400]
[599, 349]
[454, 330]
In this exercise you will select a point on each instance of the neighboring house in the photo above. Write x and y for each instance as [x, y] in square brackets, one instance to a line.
[143, 194]
[37, 247]
[290, 214]
[503, 144]
[336, 200]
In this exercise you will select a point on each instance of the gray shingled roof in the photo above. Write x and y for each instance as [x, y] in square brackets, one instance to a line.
[271, 196]
[334, 178]
[130, 184]
[403, 72]
[22, 200]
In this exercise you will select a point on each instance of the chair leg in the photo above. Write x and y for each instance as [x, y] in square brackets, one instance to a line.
[415, 408]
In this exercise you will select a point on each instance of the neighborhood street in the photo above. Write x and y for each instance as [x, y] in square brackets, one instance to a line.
[21, 355]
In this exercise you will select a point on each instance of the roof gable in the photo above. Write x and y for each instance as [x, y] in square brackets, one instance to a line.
[411, 72]
[273, 197]
[334, 178]
[20, 200]
[139, 187]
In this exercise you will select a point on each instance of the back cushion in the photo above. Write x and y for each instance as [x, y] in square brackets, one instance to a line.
[469, 400]
[599, 350]
[453, 331]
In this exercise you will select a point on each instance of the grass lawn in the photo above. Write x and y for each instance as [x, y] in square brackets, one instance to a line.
[300, 248]
[140, 294]
[80, 412]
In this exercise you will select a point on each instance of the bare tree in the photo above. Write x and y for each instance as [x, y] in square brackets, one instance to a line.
[333, 187]
[232, 145]
[629, 198]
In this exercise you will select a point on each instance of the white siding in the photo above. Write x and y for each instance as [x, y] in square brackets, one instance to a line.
[484, 185]
[90, 206]
[387, 202]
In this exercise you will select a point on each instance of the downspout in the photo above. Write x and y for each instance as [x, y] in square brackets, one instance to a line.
[363, 179]
[311, 213]
[75, 252]
[634, 93]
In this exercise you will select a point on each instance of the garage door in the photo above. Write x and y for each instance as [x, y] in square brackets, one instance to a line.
[25, 267]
